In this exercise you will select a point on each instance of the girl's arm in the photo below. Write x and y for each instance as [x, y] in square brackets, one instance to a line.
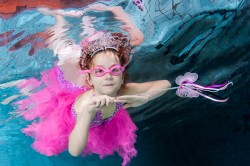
[152, 89]
[136, 94]
[85, 107]
[65, 48]
[79, 136]
[59, 43]
[136, 35]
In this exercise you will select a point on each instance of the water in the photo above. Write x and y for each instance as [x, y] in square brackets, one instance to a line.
[210, 38]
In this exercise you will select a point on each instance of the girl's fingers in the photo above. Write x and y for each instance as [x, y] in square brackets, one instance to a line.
[98, 103]
[99, 7]
[120, 101]
[125, 28]
[103, 99]
[103, 102]
[93, 103]
[108, 100]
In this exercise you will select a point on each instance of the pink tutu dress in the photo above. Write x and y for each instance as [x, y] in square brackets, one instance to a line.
[54, 119]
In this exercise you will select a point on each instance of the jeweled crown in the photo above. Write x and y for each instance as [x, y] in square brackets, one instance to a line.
[104, 41]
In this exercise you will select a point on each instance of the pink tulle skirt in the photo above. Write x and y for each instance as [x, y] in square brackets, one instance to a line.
[50, 111]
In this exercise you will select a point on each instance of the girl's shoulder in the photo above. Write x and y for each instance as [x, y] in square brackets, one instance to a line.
[128, 89]
[85, 95]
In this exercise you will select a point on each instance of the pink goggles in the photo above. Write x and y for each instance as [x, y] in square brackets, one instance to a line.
[99, 71]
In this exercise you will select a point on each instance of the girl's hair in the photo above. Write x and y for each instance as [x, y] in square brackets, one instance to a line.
[123, 54]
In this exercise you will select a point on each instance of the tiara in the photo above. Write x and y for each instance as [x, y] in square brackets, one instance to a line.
[103, 42]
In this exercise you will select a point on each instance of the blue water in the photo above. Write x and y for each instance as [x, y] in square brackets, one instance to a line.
[210, 38]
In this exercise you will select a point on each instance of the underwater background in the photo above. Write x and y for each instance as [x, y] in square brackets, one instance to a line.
[208, 37]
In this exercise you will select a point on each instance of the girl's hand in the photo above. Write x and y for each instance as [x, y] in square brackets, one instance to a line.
[97, 103]
[99, 7]
[71, 13]
[132, 100]
[74, 13]
[45, 11]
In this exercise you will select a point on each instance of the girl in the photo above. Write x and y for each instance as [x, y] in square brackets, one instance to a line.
[88, 116]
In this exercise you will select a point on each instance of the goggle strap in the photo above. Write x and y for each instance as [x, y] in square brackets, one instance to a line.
[85, 71]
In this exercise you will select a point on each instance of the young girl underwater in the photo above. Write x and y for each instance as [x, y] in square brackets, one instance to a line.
[82, 109]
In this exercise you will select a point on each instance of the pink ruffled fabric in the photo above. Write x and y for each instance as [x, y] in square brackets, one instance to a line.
[118, 134]
[50, 110]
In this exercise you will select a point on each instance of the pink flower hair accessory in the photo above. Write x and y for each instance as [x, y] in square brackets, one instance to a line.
[187, 87]
[139, 4]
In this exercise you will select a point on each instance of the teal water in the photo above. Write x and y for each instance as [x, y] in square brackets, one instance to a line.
[210, 38]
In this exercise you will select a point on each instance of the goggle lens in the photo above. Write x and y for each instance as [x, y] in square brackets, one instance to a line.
[100, 71]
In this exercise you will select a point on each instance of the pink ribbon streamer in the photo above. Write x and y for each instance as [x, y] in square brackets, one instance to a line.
[199, 90]
[187, 87]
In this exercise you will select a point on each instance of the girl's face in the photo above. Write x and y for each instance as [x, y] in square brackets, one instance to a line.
[107, 84]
